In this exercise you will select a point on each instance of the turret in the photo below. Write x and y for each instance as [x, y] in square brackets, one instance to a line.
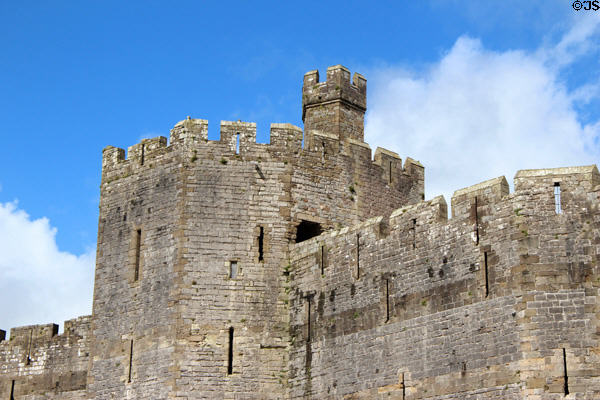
[335, 107]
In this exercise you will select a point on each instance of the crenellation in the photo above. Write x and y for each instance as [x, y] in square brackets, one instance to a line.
[190, 130]
[286, 139]
[112, 156]
[34, 332]
[239, 136]
[141, 153]
[414, 168]
[485, 193]
[390, 163]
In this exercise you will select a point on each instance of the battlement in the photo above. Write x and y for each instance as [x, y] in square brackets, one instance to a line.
[474, 204]
[189, 144]
[44, 332]
[190, 138]
[586, 177]
[37, 362]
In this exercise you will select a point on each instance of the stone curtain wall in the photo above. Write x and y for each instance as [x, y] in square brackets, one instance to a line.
[38, 363]
[414, 318]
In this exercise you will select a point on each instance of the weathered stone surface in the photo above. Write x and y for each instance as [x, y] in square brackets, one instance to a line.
[202, 289]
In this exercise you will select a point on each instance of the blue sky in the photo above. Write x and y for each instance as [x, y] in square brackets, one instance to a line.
[471, 89]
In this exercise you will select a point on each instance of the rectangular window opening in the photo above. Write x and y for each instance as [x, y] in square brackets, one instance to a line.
[357, 256]
[387, 300]
[390, 173]
[130, 360]
[487, 282]
[233, 269]
[230, 355]
[142, 154]
[414, 233]
[261, 238]
[138, 245]
[566, 377]
[557, 205]
[308, 318]
[237, 143]
[12, 390]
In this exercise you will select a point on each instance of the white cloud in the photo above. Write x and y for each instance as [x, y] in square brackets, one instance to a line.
[38, 282]
[477, 114]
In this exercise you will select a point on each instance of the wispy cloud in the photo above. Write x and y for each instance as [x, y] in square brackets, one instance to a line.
[477, 113]
[575, 43]
[38, 282]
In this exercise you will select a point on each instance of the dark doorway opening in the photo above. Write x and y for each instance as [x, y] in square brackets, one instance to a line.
[307, 230]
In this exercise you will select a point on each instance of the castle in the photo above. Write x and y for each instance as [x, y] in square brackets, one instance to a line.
[306, 269]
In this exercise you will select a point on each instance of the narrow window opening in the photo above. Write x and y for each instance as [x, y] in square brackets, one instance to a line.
[261, 238]
[387, 300]
[557, 205]
[230, 355]
[130, 360]
[390, 173]
[403, 386]
[28, 359]
[324, 148]
[476, 223]
[487, 282]
[12, 390]
[308, 318]
[322, 259]
[357, 256]
[307, 230]
[138, 245]
[233, 269]
[142, 154]
[566, 377]
[414, 233]
[237, 143]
